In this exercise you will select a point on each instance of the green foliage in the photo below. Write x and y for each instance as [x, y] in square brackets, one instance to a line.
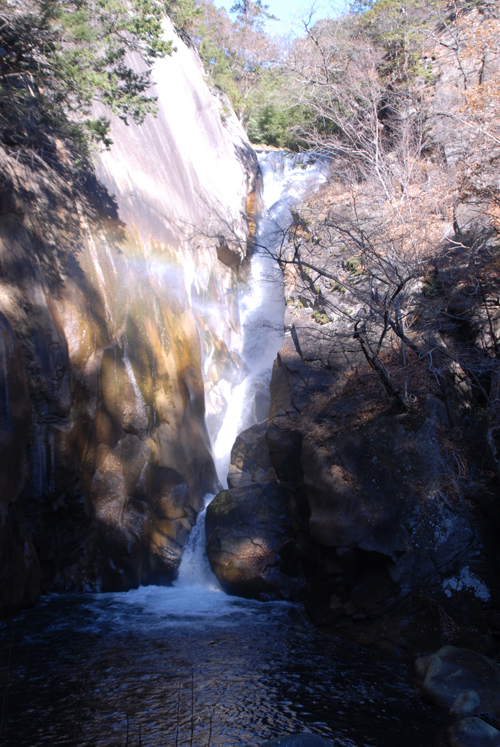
[225, 113]
[273, 120]
[321, 318]
[219, 64]
[62, 56]
[400, 29]
[273, 124]
[432, 287]
[361, 6]
[336, 287]
[353, 267]
[237, 53]
[252, 13]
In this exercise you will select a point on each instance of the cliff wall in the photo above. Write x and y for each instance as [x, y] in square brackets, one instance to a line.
[114, 307]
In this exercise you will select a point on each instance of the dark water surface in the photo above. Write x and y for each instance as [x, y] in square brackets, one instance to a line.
[176, 659]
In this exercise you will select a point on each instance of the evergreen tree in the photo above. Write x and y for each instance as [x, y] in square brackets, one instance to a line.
[59, 57]
[237, 53]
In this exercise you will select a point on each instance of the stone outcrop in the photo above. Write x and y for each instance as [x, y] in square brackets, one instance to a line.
[114, 310]
[250, 539]
[249, 543]
[467, 684]
[400, 553]
[384, 534]
[447, 673]
[250, 461]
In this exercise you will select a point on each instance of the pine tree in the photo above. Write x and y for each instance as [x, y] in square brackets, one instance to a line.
[59, 57]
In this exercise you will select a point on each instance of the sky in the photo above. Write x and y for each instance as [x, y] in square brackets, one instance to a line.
[289, 11]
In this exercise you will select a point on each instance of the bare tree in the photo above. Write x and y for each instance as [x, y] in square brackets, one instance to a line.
[381, 247]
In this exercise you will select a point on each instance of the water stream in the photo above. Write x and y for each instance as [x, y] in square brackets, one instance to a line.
[176, 659]
[189, 666]
[285, 179]
[194, 570]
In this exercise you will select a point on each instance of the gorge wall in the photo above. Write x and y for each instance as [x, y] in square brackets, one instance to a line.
[117, 300]
[120, 345]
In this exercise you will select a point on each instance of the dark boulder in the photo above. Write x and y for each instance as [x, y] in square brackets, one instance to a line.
[250, 461]
[388, 530]
[448, 672]
[473, 732]
[249, 542]
[293, 384]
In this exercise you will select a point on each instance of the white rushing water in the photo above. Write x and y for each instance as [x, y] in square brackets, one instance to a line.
[262, 306]
[194, 570]
[286, 179]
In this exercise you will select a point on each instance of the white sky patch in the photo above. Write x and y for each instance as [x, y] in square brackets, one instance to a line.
[289, 13]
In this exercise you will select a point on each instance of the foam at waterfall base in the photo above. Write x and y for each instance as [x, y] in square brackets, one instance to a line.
[194, 570]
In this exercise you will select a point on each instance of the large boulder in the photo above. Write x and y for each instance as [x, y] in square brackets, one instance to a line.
[389, 535]
[249, 542]
[450, 671]
[473, 732]
[250, 460]
[379, 489]
[294, 384]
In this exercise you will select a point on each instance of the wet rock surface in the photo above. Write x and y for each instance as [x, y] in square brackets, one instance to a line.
[104, 444]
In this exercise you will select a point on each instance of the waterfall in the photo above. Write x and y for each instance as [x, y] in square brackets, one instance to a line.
[194, 569]
[286, 178]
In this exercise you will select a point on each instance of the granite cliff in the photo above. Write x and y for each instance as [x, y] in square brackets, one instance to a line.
[117, 301]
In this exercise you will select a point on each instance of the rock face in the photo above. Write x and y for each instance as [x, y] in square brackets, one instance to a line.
[382, 531]
[399, 552]
[114, 306]
[19, 567]
[250, 461]
[248, 542]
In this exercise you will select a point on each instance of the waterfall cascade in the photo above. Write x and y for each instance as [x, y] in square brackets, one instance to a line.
[286, 179]
[194, 569]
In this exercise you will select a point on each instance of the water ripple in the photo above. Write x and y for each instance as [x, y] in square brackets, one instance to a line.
[172, 660]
